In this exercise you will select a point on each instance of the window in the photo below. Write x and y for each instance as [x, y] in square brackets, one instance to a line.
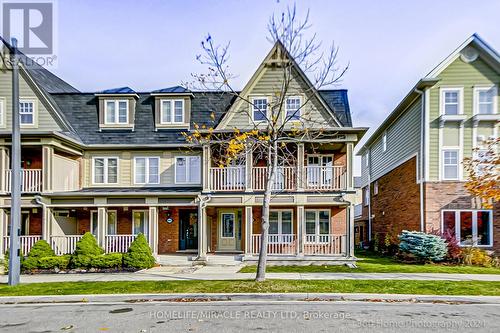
[367, 196]
[172, 111]
[450, 164]
[115, 112]
[470, 227]
[375, 188]
[451, 101]
[111, 222]
[280, 225]
[317, 225]
[485, 100]
[483, 159]
[147, 170]
[259, 109]
[384, 141]
[187, 169]
[293, 108]
[105, 170]
[27, 112]
[227, 225]
[139, 222]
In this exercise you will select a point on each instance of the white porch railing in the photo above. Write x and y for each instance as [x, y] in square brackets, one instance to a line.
[31, 180]
[285, 178]
[26, 243]
[118, 243]
[325, 244]
[64, 244]
[325, 178]
[228, 179]
[280, 244]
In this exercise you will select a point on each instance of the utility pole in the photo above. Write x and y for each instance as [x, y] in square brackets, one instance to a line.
[15, 209]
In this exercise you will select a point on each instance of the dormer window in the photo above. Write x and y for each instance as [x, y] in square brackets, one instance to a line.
[172, 111]
[116, 112]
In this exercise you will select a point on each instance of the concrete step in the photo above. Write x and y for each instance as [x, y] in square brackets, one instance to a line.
[175, 260]
[224, 260]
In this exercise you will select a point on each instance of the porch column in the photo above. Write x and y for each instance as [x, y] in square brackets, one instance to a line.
[102, 225]
[4, 165]
[300, 230]
[248, 230]
[350, 159]
[206, 167]
[350, 231]
[153, 229]
[47, 157]
[3, 227]
[248, 169]
[300, 167]
[202, 233]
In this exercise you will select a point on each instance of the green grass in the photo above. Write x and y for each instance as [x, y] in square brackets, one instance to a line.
[376, 264]
[250, 286]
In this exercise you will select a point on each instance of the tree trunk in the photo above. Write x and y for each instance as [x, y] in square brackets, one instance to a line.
[272, 164]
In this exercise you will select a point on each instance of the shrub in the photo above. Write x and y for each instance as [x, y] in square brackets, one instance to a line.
[6, 261]
[61, 262]
[476, 257]
[454, 250]
[422, 246]
[139, 254]
[110, 260]
[41, 249]
[86, 249]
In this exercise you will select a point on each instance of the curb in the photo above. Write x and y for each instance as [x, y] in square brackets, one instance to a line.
[248, 297]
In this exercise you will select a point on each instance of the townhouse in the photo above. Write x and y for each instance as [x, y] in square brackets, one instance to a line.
[412, 171]
[115, 163]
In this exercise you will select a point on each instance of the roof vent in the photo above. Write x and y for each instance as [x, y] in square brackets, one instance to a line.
[469, 54]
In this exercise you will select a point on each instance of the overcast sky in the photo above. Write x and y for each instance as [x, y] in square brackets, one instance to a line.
[148, 44]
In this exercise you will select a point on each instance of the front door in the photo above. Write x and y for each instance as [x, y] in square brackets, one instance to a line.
[188, 229]
[227, 231]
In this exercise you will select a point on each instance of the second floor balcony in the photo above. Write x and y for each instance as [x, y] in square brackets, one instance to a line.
[287, 178]
[31, 181]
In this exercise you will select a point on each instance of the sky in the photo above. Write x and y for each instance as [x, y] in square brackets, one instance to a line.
[147, 45]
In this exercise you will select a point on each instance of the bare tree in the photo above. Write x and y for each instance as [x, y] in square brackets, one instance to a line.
[274, 128]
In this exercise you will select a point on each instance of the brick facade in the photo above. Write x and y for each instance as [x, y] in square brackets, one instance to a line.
[35, 222]
[168, 233]
[396, 207]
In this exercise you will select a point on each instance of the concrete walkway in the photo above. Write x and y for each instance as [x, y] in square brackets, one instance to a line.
[231, 273]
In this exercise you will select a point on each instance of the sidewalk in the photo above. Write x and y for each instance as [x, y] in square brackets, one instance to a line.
[231, 273]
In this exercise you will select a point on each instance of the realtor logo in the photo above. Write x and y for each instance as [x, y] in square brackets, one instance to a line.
[32, 23]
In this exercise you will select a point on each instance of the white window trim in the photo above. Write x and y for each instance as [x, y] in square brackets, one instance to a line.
[35, 112]
[187, 169]
[172, 110]
[147, 158]
[3, 111]
[252, 108]
[300, 108]
[222, 227]
[384, 141]
[92, 222]
[474, 225]
[146, 222]
[117, 111]
[107, 221]
[459, 163]
[460, 90]
[283, 238]
[477, 89]
[317, 228]
[106, 170]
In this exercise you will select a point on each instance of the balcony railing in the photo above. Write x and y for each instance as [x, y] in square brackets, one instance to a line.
[64, 244]
[118, 243]
[31, 180]
[26, 243]
[314, 178]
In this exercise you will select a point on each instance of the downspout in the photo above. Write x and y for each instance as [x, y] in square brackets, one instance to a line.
[45, 225]
[369, 157]
[421, 159]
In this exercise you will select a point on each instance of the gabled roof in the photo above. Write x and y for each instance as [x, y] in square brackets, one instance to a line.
[172, 90]
[121, 90]
[278, 46]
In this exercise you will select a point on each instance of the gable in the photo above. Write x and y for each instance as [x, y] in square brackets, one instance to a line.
[44, 120]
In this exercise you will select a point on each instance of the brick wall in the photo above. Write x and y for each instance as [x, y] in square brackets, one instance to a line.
[35, 222]
[168, 233]
[396, 207]
[83, 221]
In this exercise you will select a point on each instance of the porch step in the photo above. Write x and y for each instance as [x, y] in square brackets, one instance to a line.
[224, 260]
[175, 259]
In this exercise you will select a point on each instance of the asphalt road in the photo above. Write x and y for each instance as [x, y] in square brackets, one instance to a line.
[251, 316]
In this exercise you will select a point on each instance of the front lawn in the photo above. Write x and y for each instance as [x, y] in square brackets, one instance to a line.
[250, 286]
[375, 264]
